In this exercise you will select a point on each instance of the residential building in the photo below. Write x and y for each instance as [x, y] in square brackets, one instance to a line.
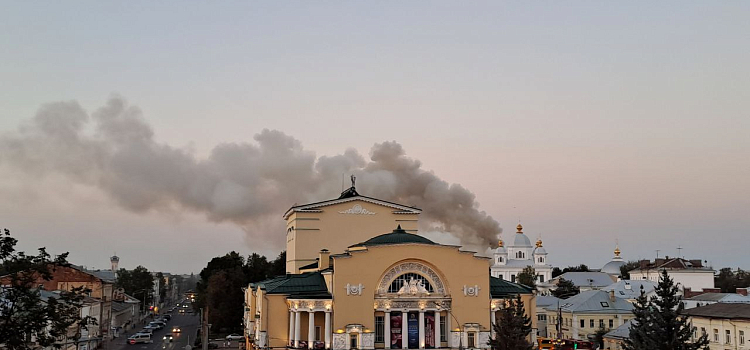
[726, 325]
[393, 290]
[582, 315]
[509, 262]
[713, 298]
[615, 338]
[586, 280]
[630, 290]
[542, 303]
[687, 273]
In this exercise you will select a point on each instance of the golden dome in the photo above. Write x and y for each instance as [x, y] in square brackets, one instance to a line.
[500, 243]
[538, 242]
[519, 228]
[617, 251]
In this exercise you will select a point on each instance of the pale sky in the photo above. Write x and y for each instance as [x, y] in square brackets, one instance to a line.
[591, 121]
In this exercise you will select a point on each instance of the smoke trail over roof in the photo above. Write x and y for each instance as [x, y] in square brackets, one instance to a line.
[249, 184]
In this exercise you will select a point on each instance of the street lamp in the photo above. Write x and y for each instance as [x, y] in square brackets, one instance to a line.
[460, 331]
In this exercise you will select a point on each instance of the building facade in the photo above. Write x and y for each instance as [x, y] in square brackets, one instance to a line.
[581, 316]
[687, 273]
[509, 262]
[396, 290]
[726, 325]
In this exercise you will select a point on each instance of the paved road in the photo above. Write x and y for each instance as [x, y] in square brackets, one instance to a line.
[188, 323]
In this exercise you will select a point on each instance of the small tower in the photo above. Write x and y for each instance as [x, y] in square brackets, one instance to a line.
[540, 254]
[115, 260]
[501, 254]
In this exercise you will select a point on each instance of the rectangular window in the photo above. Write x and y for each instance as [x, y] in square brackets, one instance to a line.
[472, 343]
[742, 337]
[513, 278]
[443, 330]
[611, 323]
[541, 278]
[716, 335]
[583, 323]
[601, 323]
[317, 333]
[500, 277]
[379, 329]
[591, 323]
[728, 337]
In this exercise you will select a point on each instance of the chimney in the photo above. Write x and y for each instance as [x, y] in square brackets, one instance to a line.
[612, 296]
[324, 259]
[742, 291]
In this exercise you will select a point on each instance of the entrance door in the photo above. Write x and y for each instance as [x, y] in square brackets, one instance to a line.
[353, 341]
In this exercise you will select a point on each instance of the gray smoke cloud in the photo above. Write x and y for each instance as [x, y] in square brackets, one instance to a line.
[249, 184]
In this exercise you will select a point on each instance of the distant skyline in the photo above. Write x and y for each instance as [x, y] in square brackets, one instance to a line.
[590, 122]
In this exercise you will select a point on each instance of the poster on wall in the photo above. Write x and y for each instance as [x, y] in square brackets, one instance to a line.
[413, 331]
[395, 331]
[429, 331]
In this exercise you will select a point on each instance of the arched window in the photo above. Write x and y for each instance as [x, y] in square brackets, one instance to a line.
[405, 278]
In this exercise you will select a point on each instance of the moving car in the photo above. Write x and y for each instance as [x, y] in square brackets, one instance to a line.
[167, 338]
[139, 338]
[235, 337]
[176, 329]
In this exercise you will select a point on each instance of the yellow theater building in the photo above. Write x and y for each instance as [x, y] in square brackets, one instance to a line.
[359, 276]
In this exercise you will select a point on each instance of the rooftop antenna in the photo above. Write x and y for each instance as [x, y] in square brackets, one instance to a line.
[679, 252]
[342, 182]
[657, 253]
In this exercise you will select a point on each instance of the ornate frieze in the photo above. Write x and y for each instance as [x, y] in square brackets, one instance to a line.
[416, 304]
[415, 267]
[308, 304]
[357, 210]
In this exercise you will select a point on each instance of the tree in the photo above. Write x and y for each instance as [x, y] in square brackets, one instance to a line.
[657, 323]
[162, 285]
[512, 328]
[565, 289]
[580, 268]
[138, 283]
[225, 300]
[527, 277]
[629, 266]
[23, 310]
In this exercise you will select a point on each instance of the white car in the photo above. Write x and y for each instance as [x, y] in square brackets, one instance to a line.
[235, 337]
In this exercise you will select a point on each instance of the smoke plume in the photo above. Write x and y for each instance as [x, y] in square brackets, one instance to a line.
[249, 184]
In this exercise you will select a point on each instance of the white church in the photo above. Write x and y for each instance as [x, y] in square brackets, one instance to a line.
[510, 262]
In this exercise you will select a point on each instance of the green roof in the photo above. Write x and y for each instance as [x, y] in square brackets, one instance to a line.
[398, 236]
[304, 285]
[500, 288]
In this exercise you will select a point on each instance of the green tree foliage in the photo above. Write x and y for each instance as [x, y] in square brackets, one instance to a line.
[729, 281]
[138, 283]
[221, 282]
[162, 285]
[629, 266]
[527, 277]
[565, 289]
[657, 323]
[512, 328]
[580, 268]
[23, 311]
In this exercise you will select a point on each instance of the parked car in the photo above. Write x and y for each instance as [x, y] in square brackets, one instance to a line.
[147, 330]
[151, 326]
[156, 324]
[235, 337]
[139, 338]
[167, 317]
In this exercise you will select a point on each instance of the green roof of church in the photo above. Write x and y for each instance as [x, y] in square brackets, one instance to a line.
[398, 236]
[500, 288]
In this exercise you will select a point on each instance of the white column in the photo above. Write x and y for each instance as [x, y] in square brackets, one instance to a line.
[310, 329]
[404, 329]
[296, 328]
[421, 328]
[575, 327]
[387, 331]
[328, 330]
[437, 329]
[291, 328]
[493, 318]
[449, 330]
